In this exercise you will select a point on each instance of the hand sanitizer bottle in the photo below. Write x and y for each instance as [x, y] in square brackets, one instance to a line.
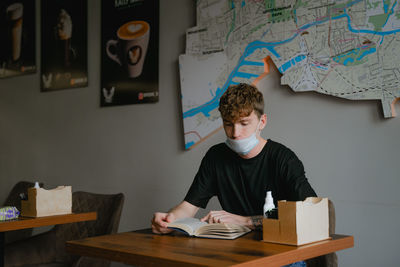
[269, 208]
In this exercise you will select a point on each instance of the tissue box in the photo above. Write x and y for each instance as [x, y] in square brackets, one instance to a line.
[42, 202]
[299, 222]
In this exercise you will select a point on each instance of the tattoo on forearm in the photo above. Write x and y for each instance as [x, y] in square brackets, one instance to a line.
[257, 222]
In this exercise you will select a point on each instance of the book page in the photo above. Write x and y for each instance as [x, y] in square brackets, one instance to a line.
[189, 225]
[193, 226]
[222, 230]
[223, 236]
[223, 227]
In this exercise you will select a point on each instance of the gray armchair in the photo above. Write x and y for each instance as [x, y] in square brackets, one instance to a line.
[48, 249]
[329, 260]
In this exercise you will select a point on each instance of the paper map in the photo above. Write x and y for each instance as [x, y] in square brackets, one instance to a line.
[348, 49]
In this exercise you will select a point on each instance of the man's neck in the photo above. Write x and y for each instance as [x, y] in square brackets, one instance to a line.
[256, 150]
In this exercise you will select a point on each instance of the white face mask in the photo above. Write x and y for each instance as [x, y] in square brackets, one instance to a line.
[245, 145]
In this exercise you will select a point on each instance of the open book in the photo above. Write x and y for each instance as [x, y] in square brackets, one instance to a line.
[194, 227]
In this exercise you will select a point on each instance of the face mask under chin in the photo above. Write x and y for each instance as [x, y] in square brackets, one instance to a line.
[245, 145]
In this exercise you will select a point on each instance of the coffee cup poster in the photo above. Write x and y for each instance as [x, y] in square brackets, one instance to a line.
[129, 64]
[63, 44]
[17, 38]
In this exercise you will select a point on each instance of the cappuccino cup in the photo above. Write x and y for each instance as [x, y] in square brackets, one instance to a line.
[130, 49]
[14, 19]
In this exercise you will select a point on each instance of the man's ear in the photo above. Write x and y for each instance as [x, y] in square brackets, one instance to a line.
[263, 120]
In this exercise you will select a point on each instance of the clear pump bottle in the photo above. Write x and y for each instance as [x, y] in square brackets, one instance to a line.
[269, 207]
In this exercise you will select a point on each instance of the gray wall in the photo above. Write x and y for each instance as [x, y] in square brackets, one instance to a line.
[349, 151]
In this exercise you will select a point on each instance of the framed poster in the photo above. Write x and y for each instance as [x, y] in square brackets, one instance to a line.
[17, 37]
[129, 52]
[64, 44]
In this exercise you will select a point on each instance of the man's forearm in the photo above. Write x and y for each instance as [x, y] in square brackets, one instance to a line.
[184, 210]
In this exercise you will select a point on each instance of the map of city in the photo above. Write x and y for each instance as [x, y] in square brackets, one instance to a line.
[348, 49]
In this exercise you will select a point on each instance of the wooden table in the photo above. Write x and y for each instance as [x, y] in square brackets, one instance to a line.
[25, 222]
[146, 249]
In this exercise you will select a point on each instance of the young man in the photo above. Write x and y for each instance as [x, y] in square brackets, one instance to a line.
[241, 170]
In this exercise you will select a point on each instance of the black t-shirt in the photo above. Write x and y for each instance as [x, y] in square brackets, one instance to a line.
[241, 184]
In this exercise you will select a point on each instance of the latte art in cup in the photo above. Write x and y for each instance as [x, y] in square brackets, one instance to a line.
[132, 30]
[131, 47]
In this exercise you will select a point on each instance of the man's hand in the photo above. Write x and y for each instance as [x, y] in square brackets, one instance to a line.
[221, 216]
[160, 219]
[159, 222]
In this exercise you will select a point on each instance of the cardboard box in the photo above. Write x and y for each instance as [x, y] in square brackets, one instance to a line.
[42, 202]
[299, 222]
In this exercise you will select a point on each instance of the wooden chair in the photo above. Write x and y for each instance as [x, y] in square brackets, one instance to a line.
[48, 249]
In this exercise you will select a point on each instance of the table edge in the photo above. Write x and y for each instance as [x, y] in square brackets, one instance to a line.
[24, 222]
[342, 242]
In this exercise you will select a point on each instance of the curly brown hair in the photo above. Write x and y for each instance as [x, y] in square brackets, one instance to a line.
[239, 101]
